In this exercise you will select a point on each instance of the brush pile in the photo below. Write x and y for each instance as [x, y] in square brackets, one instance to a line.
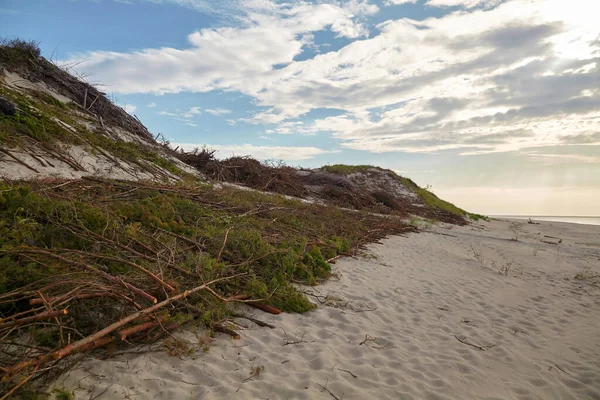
[87, 263]
[362, 187]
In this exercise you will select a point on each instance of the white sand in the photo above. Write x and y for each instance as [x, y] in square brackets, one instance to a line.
[426, 288]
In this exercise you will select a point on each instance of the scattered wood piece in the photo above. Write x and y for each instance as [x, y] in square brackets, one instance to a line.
[238, 297]
[256, 321]
[548, 242]
[350, 372]
[227, 331]
[265, 307]
[482, 348]
[224, 244]
[559, 368]
[329, 391]
[468, 322]
[442, 233]
[23, 163]
[255, 373]
[369, 340]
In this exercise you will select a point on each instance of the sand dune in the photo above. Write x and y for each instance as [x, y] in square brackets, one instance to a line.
[425, 316]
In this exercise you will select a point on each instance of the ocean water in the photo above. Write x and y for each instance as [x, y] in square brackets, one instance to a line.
[572, 220]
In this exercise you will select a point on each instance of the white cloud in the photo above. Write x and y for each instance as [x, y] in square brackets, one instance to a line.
[151, 105]
[130, 108]
[167, 113]
[553, 158]
[290, 153]
[520, 75]
[463, 3]
[398, 2]
[183, 116]
[218, 111]
[361, 7]
[240, 58]
[191, 112]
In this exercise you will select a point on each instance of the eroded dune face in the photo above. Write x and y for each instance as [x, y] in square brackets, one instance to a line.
[489, 311]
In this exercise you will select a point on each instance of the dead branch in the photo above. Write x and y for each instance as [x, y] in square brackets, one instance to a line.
[256, 321]
[92, 339]
[17, 386]
[23, 163]
[329, 391]
[39, 317]
[224, 243]
[350, 372]
[116, 279]
[131, 264]
[226, 330]
[265, 307]
[482, 348]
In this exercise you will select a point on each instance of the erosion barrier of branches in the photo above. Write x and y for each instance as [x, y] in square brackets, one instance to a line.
[331, 184]
[87, 263]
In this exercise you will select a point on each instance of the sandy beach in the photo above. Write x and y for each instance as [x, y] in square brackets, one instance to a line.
[492, 310]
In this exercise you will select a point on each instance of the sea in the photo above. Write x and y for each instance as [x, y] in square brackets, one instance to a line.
[553, 218]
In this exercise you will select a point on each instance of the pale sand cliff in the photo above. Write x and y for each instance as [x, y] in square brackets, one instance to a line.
[537, 329]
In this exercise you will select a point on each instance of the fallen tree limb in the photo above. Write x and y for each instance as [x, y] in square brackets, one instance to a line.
[116, 279]
[39, 317]
[89, 342]
[131, 264]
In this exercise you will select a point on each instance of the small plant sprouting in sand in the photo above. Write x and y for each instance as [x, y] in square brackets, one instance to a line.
[63, 394]
[478, 255]
[178, 348]
[425, 224]
[507, 266]
[503, 268]
[588, 276]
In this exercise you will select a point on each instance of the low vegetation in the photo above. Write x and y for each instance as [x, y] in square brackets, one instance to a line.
[78, 256]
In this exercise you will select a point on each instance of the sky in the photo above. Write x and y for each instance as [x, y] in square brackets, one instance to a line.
[493, 103]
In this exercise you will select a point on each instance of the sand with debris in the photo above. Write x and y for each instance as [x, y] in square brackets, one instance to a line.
[430, 315]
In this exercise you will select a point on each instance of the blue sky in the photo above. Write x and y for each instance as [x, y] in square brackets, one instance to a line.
[494, 103]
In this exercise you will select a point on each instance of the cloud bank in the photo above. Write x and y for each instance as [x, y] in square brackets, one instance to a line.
[489, 76]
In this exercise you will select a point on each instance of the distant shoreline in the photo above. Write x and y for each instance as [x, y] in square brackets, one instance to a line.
[573, 219]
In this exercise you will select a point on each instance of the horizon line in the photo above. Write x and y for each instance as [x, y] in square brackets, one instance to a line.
[533, 216]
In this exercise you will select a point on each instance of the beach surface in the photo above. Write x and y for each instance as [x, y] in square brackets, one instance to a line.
[493, 310]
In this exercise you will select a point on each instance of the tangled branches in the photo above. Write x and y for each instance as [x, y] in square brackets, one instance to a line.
[91, 262]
